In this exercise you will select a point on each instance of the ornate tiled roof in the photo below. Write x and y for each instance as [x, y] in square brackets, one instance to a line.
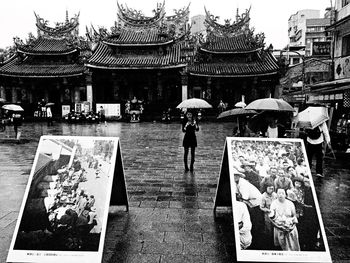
[104, 57]
[47, 46]
[25, 68]
[265, 65]
[235, 44]
[132, 37]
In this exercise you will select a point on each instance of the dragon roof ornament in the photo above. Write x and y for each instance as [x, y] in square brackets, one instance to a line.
[241, 25]
[60, 29]
[136, 18]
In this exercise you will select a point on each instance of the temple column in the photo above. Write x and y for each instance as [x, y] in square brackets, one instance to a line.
[46, 95]
[76, 94]
[159, 86]
[2, 92]
[14, 94]
[184, 85]
[89, 93]
[207, 94]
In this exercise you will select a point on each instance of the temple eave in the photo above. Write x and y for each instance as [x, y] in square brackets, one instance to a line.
[136, 67]
[47, 53]
[41, 76]
[230, 51]
[138, 44]
[199, 74]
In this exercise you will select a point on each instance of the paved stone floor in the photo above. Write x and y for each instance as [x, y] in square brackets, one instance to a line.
[171, 212]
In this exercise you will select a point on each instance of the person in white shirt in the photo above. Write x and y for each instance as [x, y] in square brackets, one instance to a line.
[241, 215]
[251, 196]
[262, 168]
[314, 146]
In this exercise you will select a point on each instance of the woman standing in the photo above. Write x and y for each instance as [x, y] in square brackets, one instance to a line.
[189, 127]
[284, 219]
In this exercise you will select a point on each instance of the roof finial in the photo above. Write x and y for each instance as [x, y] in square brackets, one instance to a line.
[237, 15]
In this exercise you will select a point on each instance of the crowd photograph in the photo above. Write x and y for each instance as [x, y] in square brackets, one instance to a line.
[275, 203]
[66, 204]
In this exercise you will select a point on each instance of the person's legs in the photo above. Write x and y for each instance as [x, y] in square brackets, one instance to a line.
[310, 153]
[185, 158]
[319, 158]
[16, 130]
[193, 149]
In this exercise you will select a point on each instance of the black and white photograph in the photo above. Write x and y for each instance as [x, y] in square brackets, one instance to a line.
[276, 212]
[169, 83]
[66, 202]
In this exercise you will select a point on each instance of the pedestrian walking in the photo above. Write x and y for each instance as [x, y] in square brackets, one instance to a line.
[189, 127]
[16, 119]
[101, 115]
[314, 145]
[49, 116]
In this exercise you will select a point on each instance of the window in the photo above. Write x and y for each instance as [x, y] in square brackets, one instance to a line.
[346, 45]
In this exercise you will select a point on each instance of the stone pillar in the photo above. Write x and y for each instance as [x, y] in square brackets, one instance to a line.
[89, 96]
[159, 86]
[76, 94]
[2, 92]
[184, 86]
[14, 94]
[208, 91]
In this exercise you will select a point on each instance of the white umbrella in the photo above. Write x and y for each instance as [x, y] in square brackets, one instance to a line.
[12, 107]
[236, 112]
[270, 104]
[194, 104]
[311, 117]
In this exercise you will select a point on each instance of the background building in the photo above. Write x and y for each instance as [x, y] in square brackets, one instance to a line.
[232, 62]
[198, 25]
[47, 67]
[305, 28]
[142, 58]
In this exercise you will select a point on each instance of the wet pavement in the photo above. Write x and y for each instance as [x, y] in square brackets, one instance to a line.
[171, 212]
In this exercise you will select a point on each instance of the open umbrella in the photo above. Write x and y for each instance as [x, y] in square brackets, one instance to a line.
[240, 104]
[270, 104]
[236, 112]
[194, 104]
[49, 104]
[311, 117]
[12, 107]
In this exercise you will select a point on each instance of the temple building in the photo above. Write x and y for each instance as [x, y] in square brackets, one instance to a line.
[48, 67]
[232, 62]
[141, 57]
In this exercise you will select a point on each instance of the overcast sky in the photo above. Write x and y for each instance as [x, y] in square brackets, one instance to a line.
[268, 16]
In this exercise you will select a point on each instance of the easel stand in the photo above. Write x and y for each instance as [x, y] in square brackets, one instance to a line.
[119, 196]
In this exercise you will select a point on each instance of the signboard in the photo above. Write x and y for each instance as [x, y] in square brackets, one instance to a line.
[342, 67]
[321, 48]
[65, 110]
[275, 218]
[111, 110]
[63, 217]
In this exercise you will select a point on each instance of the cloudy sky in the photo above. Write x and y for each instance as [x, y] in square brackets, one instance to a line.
[268, 16]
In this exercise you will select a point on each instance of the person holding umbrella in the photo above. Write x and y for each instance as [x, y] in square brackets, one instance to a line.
[189, 127]
[313, 119]
[314, 147]
[14, 113]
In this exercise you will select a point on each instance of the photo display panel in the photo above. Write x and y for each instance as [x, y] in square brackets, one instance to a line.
[274, 204]
[63, 216]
